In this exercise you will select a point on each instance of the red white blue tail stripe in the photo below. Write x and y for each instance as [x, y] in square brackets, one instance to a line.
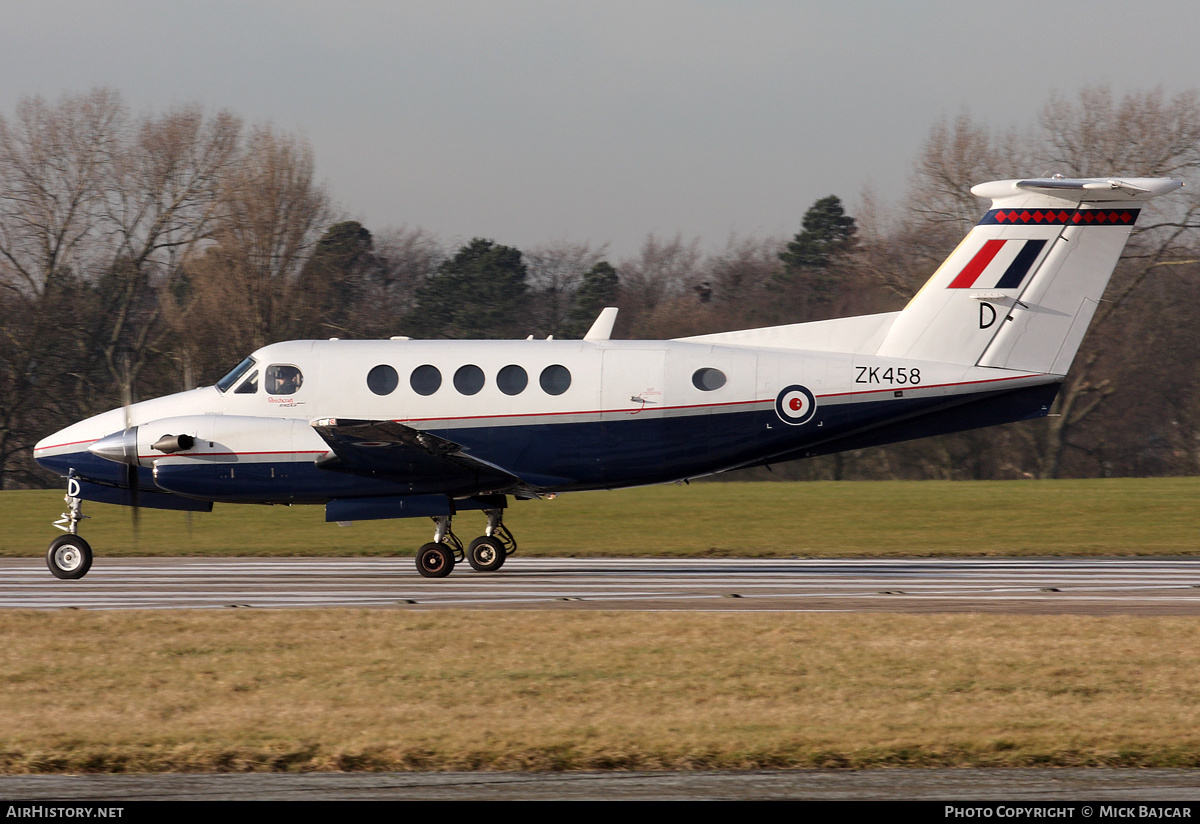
[991, 269]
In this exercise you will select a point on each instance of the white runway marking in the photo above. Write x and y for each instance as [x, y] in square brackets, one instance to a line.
[1086, 585]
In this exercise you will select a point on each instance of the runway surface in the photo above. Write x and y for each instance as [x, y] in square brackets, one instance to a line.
[1144, 586]
[1029, 785]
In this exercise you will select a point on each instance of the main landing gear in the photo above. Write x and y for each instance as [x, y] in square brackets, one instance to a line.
[69, 556]
[486, 553]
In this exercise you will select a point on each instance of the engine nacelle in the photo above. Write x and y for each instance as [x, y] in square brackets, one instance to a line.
[221, 438]
[201, 455]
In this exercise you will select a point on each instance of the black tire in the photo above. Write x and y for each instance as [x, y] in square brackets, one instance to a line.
[486, 554]
[69, 557]
[435, 561]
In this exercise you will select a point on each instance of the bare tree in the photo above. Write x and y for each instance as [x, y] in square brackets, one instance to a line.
[954, 158]
[54, 159]
[662, 270]
[556, 271]
[744, 268]
[162, 204]
[894, 255]
[270, 213]
[54, 162]
[407, 257]
[741, 277]
[1143, 134]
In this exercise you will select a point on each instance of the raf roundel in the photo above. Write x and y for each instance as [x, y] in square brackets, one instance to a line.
[795, 405]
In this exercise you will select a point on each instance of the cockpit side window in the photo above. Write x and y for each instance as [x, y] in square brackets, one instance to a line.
[236, 372]
[249, 385]
[283, 379]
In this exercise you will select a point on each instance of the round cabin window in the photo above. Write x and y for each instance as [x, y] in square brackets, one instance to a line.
[468, 379]
[555, 379]
[512, 380]
[383, 380]
[425, 380]
[708, 379]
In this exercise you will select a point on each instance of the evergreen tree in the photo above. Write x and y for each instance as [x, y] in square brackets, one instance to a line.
[476, 294]
[598, 290]
[810, 272]
[828, 231]
[332, 281]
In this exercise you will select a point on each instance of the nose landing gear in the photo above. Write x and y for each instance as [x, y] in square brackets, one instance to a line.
[69, 556]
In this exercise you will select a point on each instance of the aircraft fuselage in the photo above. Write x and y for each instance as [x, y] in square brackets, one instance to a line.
[625, 413]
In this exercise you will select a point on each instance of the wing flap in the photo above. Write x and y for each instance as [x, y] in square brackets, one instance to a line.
[392, 450]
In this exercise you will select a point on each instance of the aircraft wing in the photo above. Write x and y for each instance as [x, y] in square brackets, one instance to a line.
[393, 450]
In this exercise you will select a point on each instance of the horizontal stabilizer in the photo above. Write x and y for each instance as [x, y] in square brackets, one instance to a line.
[1087, 189]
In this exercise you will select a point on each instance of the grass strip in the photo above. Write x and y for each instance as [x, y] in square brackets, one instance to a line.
[387, 690]
[1123, 516]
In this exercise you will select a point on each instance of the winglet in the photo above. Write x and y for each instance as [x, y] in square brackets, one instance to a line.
[602, 328]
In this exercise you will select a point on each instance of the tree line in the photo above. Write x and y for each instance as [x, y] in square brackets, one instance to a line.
[142, 255]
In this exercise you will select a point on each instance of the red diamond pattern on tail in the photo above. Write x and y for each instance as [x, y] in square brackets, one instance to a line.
[1052, 217]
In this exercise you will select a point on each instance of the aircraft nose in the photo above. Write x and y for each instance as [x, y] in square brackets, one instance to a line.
[68, 447]
[52, 451]
[41, 448]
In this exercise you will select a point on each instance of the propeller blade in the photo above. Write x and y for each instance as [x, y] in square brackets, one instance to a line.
[135, 511]
[131, 474]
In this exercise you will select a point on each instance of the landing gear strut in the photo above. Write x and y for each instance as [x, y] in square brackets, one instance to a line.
[487, 553]
[69, 556]
[437, 559]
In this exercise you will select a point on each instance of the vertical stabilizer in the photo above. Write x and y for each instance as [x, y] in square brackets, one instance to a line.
[1021, 288]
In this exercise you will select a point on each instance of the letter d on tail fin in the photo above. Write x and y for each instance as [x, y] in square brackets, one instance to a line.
[1020, 290]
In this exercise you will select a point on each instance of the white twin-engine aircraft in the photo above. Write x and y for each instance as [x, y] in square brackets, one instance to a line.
[402, 428]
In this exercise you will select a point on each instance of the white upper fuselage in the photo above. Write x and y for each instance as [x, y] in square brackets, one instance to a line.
[610, 381]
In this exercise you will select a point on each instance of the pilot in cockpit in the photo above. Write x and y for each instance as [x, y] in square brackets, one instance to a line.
[283, 380]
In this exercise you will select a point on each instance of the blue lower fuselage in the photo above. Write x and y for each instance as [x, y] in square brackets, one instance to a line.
[632, 450]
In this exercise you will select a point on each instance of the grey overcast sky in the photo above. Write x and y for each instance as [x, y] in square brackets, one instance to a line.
[531, 121]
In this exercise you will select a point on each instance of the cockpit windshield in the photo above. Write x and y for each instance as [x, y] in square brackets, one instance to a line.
[230, 379]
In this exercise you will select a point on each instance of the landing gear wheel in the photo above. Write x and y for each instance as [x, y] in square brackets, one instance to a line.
[486, 554]
[435, 561]
[69, 557]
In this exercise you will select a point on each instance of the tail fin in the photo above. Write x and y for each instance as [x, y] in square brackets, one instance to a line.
[1021, 289]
